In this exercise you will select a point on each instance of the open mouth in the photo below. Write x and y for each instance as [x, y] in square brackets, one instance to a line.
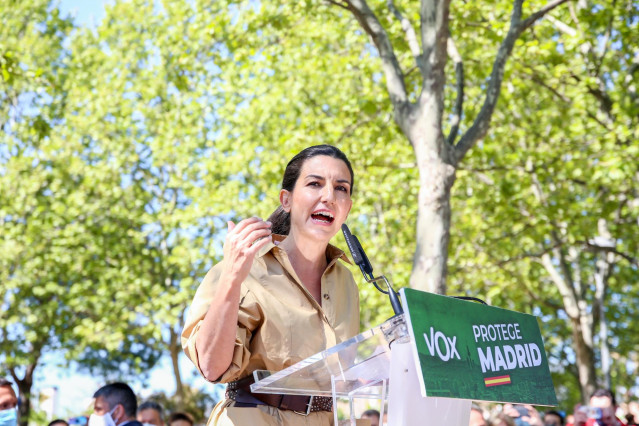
[325, 217]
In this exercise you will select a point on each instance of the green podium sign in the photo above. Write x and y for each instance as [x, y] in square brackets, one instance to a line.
[472, 351]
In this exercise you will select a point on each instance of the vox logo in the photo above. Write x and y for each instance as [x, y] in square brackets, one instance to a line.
[441, 345]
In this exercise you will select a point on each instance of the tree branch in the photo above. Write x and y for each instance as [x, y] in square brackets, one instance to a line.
[411, 36]
[393, 72]
[521, 279]
[540, 13]
[537, 255]
[338, 4]
[459, 102]
[540, 81]
[481, 124]
[350, 129]
[565, 28]
[316, 105]
[593, 245]
[567, 292]
[434, 16]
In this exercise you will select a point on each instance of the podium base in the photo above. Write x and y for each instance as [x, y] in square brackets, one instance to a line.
[407, 407]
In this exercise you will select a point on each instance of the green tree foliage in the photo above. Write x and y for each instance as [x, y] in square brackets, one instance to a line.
[127, 147]
[561, 175]
[67, 282]
[419, 102]
[30, 214]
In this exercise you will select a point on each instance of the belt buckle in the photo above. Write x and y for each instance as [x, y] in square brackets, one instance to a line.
[308, 408]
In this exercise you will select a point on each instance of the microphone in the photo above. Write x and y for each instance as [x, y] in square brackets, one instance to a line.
[359, 256]
[361, 260]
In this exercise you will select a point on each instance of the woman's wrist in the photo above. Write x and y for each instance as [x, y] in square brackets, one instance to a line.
[231, 278]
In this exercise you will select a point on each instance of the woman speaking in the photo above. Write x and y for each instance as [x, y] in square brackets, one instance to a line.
[279, 295]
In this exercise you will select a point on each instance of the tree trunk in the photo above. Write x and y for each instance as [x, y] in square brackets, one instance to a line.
[175, 349]
[570, 288]
[433, 226]
[24, 392]
[604, 266]
[606, 361]
[600, 295]
[436, 178]
[582, 336]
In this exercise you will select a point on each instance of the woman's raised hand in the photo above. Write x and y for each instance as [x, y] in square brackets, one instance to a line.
[215, 341]
[242, 243]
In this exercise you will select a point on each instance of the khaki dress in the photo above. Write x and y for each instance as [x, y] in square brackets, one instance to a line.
[279, 324]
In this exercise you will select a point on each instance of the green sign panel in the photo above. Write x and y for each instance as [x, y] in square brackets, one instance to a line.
[472, 351]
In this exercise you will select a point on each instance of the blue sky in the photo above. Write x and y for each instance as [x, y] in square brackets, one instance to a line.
[85, 12]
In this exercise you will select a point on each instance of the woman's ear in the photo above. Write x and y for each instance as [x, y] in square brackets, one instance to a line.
[285, 200]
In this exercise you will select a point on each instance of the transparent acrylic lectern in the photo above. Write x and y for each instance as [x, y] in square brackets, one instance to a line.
[362, 367]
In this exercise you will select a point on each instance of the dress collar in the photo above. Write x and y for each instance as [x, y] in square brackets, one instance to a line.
[332, 252]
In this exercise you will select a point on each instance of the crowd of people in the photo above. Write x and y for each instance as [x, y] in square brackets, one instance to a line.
[602, 410]
[114, 404]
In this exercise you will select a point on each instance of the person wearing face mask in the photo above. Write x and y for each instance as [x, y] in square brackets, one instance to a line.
[115, 405]
[280, 295]
[8, 404]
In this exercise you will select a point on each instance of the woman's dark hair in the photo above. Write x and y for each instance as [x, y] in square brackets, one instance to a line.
[280, 219]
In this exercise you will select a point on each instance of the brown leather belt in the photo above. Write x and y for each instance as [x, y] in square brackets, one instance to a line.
[240, 391]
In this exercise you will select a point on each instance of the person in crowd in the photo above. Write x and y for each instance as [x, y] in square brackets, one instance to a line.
[501, 419]
[8, 404]
[180, 419]
[630, 420]
[372, 416]
[150, 413]
[279, 295]
[477, 416]
[79, 420]
[601, 409]
[523, 415]
[58, 422]
[633, 408]
[115, 405]
[553, 418]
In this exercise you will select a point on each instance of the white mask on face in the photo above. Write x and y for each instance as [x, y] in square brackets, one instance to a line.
[103, 420]
[9, 417]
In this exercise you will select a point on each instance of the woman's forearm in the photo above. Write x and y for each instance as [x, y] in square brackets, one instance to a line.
[215, 340]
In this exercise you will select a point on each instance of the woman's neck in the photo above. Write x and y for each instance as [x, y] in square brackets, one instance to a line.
[311, 254]
[308, 259]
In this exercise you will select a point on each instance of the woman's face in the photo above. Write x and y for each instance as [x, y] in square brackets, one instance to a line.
[320, 200]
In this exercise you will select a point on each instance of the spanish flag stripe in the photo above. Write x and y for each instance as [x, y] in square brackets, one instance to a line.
[495, 381]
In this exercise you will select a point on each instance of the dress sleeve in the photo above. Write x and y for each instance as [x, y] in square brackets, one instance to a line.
[249, 319]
